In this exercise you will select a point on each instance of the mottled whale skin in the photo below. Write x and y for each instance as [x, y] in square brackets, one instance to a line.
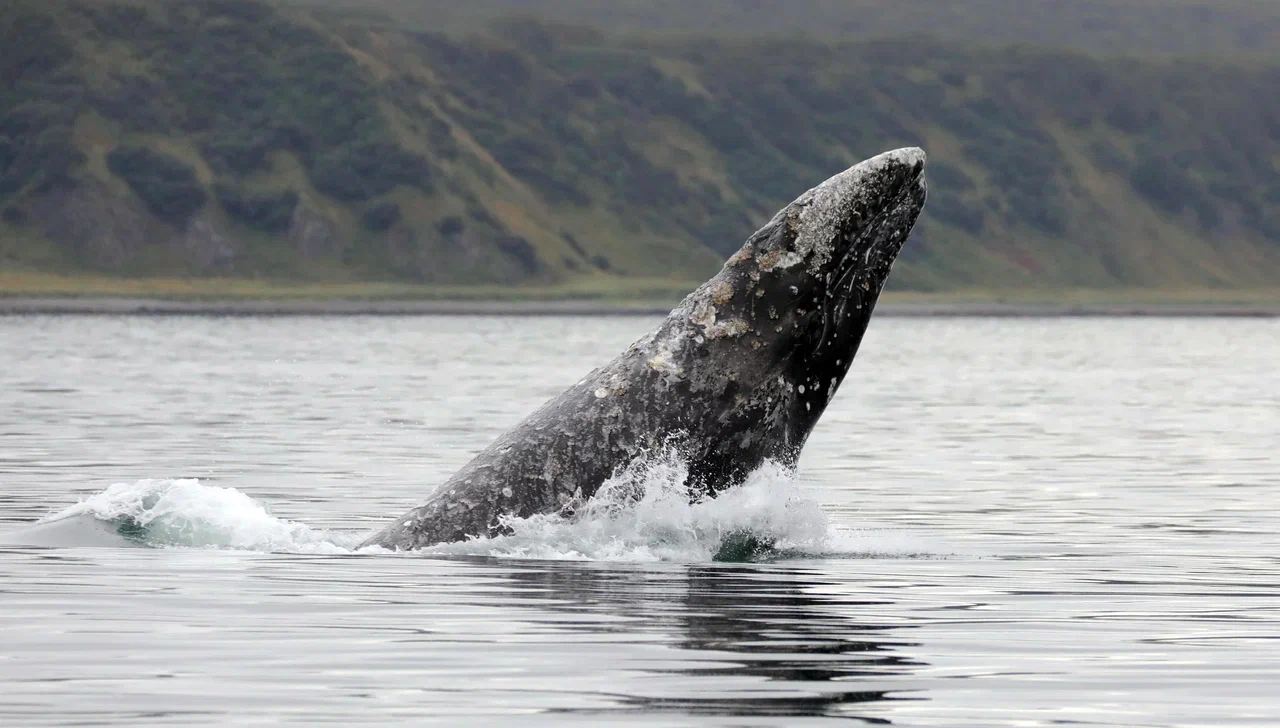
[738, 373]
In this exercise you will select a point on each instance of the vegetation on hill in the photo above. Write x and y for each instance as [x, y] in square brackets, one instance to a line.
[240, 138]
[1181, 27]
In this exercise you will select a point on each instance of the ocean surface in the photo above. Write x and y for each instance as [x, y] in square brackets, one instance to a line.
[999, 522]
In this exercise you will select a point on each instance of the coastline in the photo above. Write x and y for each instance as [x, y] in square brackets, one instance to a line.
[141, 306]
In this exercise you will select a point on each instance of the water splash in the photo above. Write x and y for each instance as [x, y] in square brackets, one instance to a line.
[185, 512]
[645, 512]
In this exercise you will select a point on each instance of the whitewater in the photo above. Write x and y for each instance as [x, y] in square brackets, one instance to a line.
[644, 513]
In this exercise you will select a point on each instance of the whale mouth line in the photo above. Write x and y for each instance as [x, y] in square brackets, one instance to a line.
[843, 286]
[855, 259]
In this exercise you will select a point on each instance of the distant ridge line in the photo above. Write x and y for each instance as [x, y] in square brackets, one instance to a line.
[26, 305]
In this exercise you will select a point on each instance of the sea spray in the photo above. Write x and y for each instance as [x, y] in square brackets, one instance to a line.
[645, 512]
[185, 512]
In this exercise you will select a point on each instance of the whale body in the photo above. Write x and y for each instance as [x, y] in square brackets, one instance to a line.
[737, 374]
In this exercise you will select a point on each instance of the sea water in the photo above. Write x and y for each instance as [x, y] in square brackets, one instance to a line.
[998, 522]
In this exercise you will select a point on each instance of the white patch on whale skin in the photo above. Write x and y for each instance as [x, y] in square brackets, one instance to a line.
[816, 216]
[721, 291]
[704, 314]
[665, 359]
[787, 259]
[663, 362]
[730, 328]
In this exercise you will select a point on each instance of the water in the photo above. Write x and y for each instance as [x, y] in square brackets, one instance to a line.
[999, 522]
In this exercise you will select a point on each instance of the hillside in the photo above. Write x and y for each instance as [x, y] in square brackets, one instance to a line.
[234, 138]
[1181, 27]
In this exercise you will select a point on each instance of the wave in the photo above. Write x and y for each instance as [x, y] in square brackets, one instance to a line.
[643, 513]
[187, 513]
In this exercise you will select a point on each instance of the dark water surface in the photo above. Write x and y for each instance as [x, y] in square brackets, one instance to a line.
[999, 522]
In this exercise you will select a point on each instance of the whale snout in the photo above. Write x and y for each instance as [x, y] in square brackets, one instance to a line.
[882, 180]
[911, 159]
[880, 174]
[844, 218]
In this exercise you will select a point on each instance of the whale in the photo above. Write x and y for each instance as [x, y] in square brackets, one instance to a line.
[738, 374]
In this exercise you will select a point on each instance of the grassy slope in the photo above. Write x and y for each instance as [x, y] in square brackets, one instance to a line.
[1184, 27]
[649, 158]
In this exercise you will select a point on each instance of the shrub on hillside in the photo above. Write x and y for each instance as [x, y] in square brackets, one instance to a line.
[168, 187]
[33, 48]
[534, 160]
[363, 171]
[451, 226]
[41, 160]
[8, 153]
[1163, 183]
[136, 103]
[952, 210]
[122, 22]
[236, 155]
[380, 217]
[520, 249]
[271, 212]
[1042, 211]
[948, 177]
[1270, 227]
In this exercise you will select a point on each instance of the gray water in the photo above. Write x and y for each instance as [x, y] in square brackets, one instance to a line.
[999, 522]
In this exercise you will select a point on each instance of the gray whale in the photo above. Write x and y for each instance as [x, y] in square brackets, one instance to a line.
[738, 373]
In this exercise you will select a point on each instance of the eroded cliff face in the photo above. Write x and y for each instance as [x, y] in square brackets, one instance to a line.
[313, 235]
[115, 233]
[105, 231]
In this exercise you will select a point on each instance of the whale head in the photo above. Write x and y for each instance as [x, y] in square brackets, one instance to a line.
[796, 299]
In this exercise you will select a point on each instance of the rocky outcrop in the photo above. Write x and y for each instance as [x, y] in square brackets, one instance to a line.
[103, 230]
[110, 231]
[313, 235]
[464, 254]
[205, 248]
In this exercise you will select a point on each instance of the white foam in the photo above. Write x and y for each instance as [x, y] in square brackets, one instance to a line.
[643, 513]
[185, 512]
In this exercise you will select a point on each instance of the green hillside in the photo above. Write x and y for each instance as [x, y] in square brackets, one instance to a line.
[232, 138]
[1182, 27]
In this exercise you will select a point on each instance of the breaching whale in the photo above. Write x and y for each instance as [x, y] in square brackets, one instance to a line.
[738, 373]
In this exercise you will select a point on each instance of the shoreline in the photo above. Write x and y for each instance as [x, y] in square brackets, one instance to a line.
[111, 306]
